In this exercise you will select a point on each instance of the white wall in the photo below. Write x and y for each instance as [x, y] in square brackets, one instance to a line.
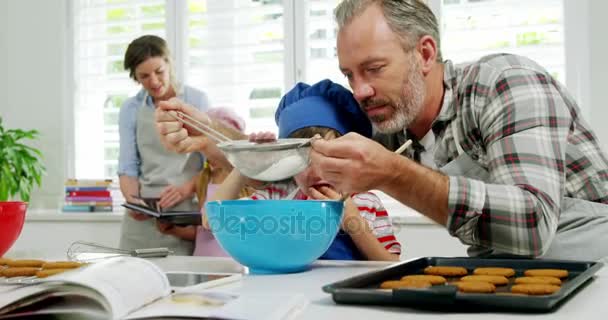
[52, 235]
[33, 51]
[4, 26]
[598, 51]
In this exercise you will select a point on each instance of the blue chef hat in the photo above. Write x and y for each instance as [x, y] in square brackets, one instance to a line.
[324, 104]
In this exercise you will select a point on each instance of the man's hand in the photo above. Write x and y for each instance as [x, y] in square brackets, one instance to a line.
[352, 163]
[176, 136]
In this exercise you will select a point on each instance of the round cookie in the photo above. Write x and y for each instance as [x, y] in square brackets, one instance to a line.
[49, 272]
[446, 271]
[398, 284]
[433, 279]
[19, 272]
[534, 288]
[61, 265]
[474, 286]
[494, 271]
[539, 280]
[25, 263]
[495, 280]
[556, 273]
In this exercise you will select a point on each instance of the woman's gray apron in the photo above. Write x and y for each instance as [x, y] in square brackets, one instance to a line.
[582, 231]
[158, 168]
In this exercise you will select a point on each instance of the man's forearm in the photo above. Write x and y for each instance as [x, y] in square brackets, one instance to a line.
[418, 187]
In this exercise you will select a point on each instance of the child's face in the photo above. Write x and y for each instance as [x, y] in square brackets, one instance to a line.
[309, 177]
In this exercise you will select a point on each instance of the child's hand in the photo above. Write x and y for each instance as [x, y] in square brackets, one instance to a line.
[324, 193]
[351, 212]
[263, 136]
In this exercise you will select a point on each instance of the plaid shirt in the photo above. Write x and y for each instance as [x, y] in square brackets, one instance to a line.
[526, 130]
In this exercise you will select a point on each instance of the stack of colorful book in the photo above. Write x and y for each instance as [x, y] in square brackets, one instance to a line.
[88, 195]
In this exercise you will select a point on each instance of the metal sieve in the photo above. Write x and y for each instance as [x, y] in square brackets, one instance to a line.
[271, 161]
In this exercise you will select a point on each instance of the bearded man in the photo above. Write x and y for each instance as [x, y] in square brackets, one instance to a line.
[502, 156]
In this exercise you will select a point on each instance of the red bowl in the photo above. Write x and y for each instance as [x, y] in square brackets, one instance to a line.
[12, 216]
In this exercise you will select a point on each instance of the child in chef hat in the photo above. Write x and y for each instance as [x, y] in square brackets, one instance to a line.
[328, 110]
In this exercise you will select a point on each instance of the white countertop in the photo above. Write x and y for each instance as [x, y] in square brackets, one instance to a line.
[586, 304]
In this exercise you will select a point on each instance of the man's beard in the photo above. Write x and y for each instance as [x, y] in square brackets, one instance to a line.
[406, 109]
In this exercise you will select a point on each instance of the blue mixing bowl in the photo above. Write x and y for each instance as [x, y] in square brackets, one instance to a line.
[275, 236]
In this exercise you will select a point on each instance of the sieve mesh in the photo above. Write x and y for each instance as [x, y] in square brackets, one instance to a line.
[272, 161]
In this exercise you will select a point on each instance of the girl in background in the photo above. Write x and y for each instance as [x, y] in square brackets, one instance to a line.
[207, 182]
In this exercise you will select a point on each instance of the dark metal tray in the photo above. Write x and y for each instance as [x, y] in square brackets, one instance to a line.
[364, 288]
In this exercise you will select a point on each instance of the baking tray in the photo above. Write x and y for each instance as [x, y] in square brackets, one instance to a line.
[364, 288]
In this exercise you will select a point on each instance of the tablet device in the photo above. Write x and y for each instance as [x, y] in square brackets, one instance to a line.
[200, 280]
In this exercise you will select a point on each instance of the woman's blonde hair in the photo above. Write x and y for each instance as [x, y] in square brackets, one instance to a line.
[204, 179]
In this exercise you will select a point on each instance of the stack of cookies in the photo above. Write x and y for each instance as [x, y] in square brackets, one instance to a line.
[34, 268]
[484, 280]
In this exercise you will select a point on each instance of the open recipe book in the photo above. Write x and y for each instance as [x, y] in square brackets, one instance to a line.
[134, 288]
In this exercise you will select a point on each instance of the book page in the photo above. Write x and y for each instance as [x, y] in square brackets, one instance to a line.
[68, 308]
[5, 287]
[10, 295]
[77, 304]
[223, 305]
[127, 283]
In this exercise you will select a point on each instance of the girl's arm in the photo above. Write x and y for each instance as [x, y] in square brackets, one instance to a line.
[357, 227]
[228, 190]
[360, 231]
[231, 187]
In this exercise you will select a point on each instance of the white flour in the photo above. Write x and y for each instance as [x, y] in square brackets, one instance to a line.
[282, 169]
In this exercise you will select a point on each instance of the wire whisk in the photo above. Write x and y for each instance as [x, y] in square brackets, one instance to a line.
[83, 251]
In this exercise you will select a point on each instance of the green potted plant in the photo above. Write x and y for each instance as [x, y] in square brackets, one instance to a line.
[20, 169]
[20, 165]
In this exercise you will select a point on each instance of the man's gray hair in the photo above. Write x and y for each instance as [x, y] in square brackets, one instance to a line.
[409, 19]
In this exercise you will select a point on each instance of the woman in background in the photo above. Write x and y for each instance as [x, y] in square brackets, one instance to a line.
[145, 167]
